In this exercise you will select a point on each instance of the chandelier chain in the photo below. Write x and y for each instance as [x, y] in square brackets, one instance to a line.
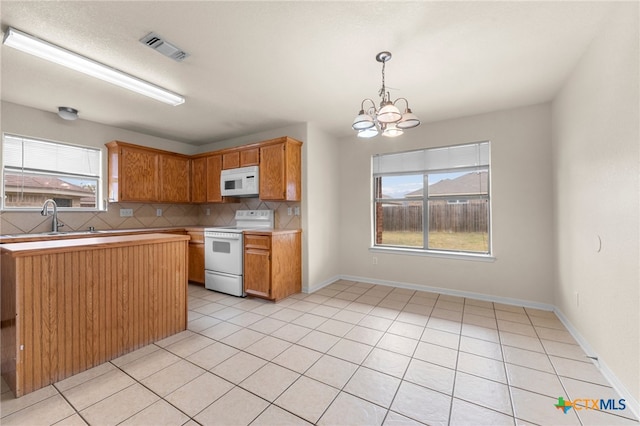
[383, 90]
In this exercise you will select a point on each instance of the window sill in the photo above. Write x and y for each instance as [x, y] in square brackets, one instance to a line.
[434, 253]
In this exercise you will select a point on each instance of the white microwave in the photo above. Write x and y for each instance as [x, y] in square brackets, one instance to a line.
[240, 182]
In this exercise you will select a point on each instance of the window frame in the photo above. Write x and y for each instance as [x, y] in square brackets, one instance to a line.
[98, 179]
[424, 199]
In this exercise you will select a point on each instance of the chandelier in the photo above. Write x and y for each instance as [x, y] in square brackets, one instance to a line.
[387, 119]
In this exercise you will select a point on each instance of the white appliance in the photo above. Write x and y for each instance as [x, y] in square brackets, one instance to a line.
[240, 182]
[224, 251]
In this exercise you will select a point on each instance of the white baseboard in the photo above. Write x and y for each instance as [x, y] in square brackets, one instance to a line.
[459, 293]
[321, 285]
[631, 402]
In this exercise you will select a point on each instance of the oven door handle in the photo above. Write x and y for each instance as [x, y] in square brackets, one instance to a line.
[224, 237]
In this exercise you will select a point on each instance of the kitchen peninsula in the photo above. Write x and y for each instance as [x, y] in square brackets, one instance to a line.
[69, 305]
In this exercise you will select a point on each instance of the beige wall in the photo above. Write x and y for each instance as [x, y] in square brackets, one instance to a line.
[322, 213]
[521, 198]
[596, 167]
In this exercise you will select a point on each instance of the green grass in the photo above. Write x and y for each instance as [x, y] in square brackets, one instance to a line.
[464, 241]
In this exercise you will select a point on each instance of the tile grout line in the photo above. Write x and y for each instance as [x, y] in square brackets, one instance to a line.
[506, 372]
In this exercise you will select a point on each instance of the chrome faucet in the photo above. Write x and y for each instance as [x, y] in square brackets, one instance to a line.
[45, 212]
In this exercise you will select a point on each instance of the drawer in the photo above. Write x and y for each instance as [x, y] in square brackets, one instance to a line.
[196, 236]
[257, 242]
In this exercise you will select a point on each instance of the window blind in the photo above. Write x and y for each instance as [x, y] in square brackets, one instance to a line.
[41, 156]
[425, 160]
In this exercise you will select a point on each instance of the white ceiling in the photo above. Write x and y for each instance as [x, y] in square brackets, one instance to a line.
[261, 65]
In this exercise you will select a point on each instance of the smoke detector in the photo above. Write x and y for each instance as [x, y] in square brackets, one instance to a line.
[157, 43]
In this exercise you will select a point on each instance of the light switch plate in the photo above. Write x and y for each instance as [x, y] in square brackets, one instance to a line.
[126, 212]
[158, 212]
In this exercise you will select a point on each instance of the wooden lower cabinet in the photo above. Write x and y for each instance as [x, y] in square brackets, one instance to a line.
[196, 255]
[272, 263]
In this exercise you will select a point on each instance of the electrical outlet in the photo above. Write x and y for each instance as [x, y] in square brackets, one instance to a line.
[207, 212]
[289, 211]
[374, 260]
[126, 212]
[297, 211]
[158, 212]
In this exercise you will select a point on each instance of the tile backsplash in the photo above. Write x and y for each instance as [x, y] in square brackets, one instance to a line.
[145, 216]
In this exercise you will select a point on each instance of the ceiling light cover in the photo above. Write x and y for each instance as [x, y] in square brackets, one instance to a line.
[387, 118]
[408, 121]
[368, 133]
[68, 113]
[363, 121]
[51, 52]
[391, 131]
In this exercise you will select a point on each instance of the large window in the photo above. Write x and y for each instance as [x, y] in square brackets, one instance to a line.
[36, 170]
[433, 200]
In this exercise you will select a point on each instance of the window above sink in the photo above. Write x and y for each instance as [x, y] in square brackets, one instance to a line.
[35, 170]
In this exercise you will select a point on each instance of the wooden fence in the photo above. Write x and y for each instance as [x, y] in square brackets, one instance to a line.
[443, 217]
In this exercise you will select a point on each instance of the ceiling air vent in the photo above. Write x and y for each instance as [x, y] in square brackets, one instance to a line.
[157, 43]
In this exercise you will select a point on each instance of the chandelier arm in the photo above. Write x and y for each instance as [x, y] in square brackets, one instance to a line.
[373, 104]
[405, 101]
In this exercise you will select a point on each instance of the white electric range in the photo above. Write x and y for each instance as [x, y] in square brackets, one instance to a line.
[224, 250]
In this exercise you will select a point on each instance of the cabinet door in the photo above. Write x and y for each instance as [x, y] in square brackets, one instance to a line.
[272, 172]
[214, 168]
[138, 175]
[199, 180]
[174, 179]
[196, 262]
[257, 272]
[249, 157]
[231, 160]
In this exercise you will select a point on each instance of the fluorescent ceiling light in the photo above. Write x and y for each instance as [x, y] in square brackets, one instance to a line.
[58, 55]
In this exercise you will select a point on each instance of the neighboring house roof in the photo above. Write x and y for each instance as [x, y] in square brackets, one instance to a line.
[472, 183]
[41, 184]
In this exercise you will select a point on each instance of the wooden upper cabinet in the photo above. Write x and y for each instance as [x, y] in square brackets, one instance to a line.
[141, 174]
[250, 157]
[199, 180]
[241, 158]
[214, 168]
[280, 174]
[231, 160]
[174, 178]
[133, 173]
[147, 175]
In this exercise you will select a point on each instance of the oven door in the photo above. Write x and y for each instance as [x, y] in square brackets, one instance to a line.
[223, 252]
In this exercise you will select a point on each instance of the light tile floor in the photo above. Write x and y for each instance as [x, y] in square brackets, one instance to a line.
[349, 354]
